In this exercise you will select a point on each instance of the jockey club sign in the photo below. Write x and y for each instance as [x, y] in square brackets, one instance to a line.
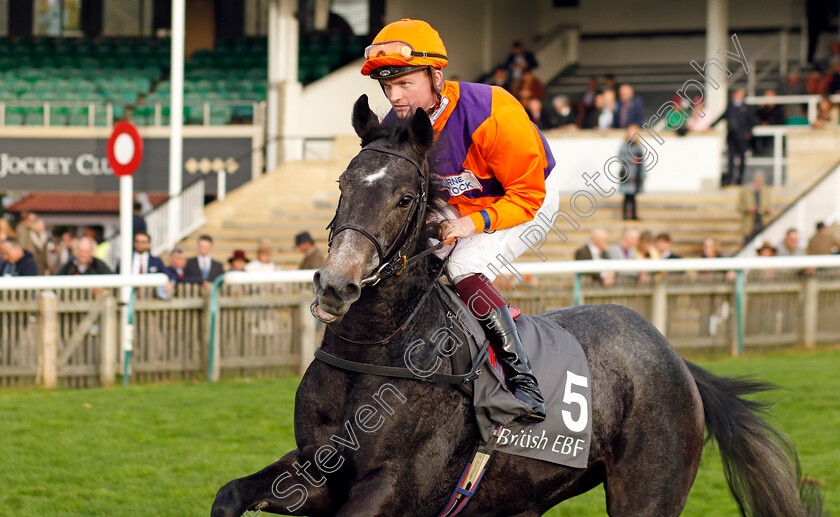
[80, 164]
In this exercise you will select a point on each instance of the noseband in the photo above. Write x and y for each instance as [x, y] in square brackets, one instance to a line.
[392, 260]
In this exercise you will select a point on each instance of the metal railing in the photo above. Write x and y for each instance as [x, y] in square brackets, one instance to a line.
[102, 114]
[157, 221]
[821, 202]
[259, 323]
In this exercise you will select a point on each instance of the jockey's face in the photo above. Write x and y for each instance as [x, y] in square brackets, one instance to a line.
[411, 91]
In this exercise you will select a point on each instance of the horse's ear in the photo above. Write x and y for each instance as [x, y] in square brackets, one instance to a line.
[364, 119]
[422, 134]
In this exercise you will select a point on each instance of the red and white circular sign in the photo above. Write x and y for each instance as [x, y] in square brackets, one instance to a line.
[125, 149]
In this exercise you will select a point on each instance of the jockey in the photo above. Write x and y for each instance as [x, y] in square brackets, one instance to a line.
[496, 166]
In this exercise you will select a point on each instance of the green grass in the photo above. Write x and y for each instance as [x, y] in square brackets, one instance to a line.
[165, 449]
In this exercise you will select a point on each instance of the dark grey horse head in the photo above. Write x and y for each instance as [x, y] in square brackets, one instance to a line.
[382, 207]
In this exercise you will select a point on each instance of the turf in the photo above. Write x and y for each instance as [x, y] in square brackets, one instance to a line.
[165, 449]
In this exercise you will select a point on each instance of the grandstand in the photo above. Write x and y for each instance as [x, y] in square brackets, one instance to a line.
[89, 78]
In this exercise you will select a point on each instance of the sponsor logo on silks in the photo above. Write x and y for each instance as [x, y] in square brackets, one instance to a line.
[458, 184]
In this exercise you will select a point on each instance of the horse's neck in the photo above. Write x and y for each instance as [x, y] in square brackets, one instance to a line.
[380, 313]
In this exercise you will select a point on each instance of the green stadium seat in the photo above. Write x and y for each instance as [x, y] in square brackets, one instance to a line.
[78, 119]
[34, 119]
[194, 113]
[59, 119]
[14, 119]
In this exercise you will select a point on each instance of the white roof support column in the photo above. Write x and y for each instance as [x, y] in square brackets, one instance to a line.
[284, 90]
[717, 38]
[275, 55]
[176, 119]
[290, 90]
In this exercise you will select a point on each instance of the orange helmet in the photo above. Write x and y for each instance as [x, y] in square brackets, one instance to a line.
[403, 47]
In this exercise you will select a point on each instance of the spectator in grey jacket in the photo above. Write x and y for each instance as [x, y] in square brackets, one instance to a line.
[83, 262]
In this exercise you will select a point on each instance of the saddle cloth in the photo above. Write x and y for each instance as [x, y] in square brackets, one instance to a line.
[563, 375]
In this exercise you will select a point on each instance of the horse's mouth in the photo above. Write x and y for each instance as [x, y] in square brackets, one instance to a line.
[323, 315]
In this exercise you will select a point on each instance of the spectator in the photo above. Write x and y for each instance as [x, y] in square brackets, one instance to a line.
[530, 88]
[833, 80]
[263, 261]
[634, 174]
[610, 84]
[596, 249]
[789, 246]
[664, 246]
[816, 83]
[138, 223]
[541, 117]
[590, 121]
[833, 58]
[82, 261]
[587, 110]
[22, 228]
[711, 248]
[39, 245]
[177, 268]
[695, 121]
[16, 261]
[677, 119]
[103, 247]
[203, 266]
[823, 242]
[766, 250]
[740, 119]
[519, 61]
[606, 117]
[646, 248]
[500, 78]
[630, 108]
[562, 114]
[827, 114]
[770, 114]
[754, 205]
[625, 249]
[143, 262]
[312, 257]
[6, 229]
[792, 85]
[64, 249]
[238, 260]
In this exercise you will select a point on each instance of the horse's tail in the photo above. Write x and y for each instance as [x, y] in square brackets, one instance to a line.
[761, 465]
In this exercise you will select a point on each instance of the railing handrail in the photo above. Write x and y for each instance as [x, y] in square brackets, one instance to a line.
[19, 283]
[587, 266]
[160, 244]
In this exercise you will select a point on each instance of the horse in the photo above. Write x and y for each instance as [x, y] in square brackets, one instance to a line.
[375, 446]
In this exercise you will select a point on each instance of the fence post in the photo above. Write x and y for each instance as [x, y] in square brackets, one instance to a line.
[109, 343]
[659, 306]
[308, 331]
[213, 325]
[48, 338]
[577, 295]
[810, 312]
[737, 346]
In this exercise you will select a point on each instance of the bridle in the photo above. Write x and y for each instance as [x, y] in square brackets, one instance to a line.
[393, 260]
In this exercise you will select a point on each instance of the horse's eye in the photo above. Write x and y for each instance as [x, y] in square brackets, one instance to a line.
[406, 201]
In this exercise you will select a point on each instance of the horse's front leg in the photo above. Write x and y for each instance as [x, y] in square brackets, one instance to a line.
[381, 493]
[285, 487]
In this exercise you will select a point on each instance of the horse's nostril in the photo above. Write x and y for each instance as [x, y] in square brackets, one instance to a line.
[316, 281]
[351, 291]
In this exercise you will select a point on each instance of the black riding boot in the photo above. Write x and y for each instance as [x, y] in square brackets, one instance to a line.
[503, 336]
